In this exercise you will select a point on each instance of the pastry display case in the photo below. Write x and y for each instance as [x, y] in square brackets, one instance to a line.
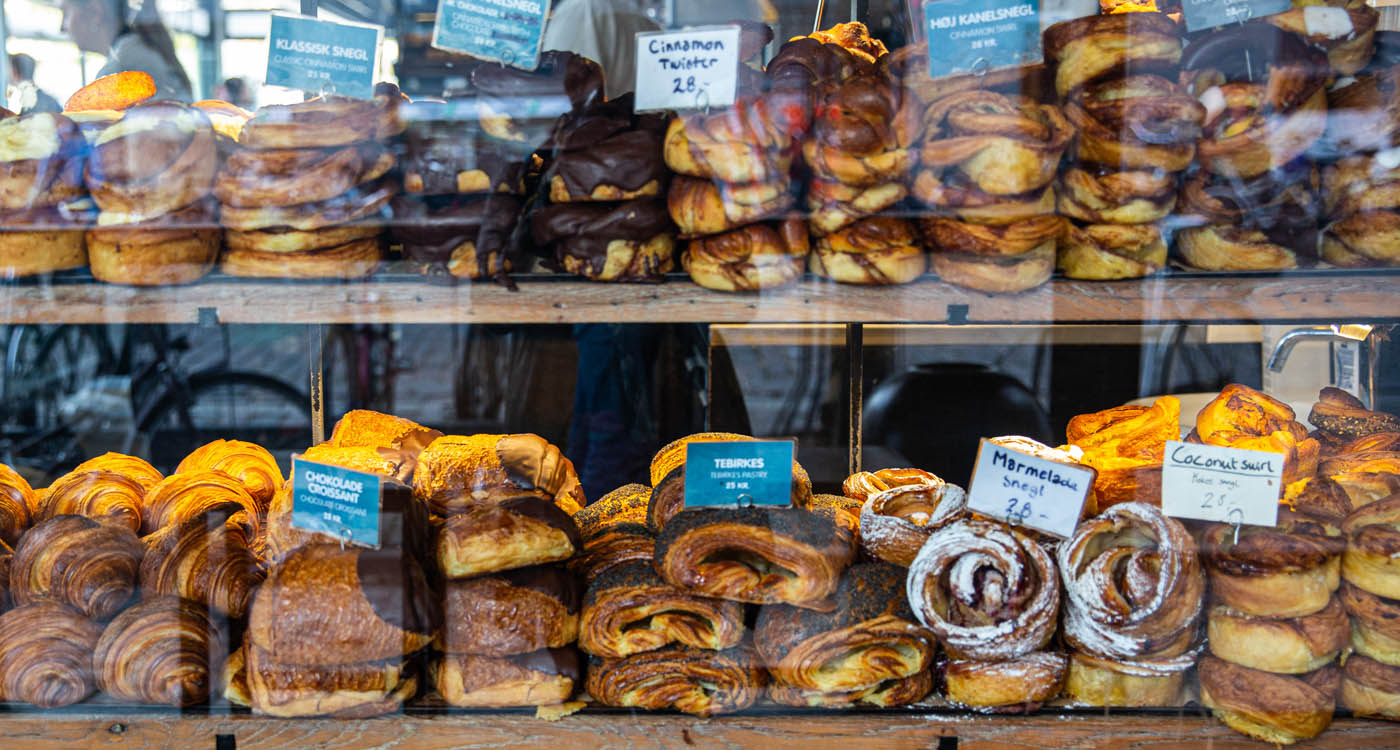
[347, 420]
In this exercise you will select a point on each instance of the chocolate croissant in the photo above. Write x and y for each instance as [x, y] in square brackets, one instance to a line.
[86, 564]
[16, 501]
[542, 678]
[614, 532]
[251, 464]
[102, 495]
[870, 640]
[207, 559]
[372, 429]
[183, 496]
[517, 612]
[323, 604]
[629, 609]
[46, 654]
[668, 478]
[766, 556]
[163, 650]
[696, 681]
[456, 472]
[136, 469]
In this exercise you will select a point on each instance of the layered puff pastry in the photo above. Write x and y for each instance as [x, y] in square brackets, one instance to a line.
[1089, 48]
[629, 609]
[208, 558]
[403, 520]
[749, 142]
[668, 478]
[1284, 645]
[751, 258]
[875, 251]
[701, 206]
[1271, 707]
[696, 681]
[17, 501]
[1111, 251]
[864, 131]
[88, 565]
[862, 484]
[514, 533]
[1107, 195]
[517, 612]
[1018, 685]
[136, 469]
[46, 652]
[372, 429]
[1242, 417]
[1370, 688]
[253, 678]
[766, 556]
[101, 495]
[165, 650]
[870, 641]
[1135, 122]
[1344, 29]
[456, 472]
[1375, 624]
[1372, 534]
[542, 678]
[1126, 446]
[251, 464]
[1286, 571]
[1342, 415]
[183, 496]
[614, 532]
[1001, 259]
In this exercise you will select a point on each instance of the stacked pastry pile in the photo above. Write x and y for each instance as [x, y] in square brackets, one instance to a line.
[43, 201]
[1136, 130]
[1252, 190]
[606, 219]
[305, 194]
[461, 193]
[1126, 446]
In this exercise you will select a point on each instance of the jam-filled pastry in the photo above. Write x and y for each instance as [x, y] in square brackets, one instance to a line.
[1020, 685]
[542, 678]
[46, 654]
[629, 609]
[1293, 645]
[895, 523]
[668, 478]
[614, 532]
[164, 650]
[1285, 571]
[870, 640]
[1271, 707]
[208, 558]
[760, 555]
[696, 681]
[456, 472]
[89, 565]
[249, 463]
[515, 533]
[516, 612]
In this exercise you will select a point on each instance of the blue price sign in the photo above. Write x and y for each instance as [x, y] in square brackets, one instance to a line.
[506, 31]
[975, 35]
[336, 501]
[322, 57]
[741, 473]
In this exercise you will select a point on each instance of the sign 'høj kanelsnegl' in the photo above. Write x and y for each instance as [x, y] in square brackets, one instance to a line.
[505, 31]
[739, 474]
[969, 36]
[322, 57]
[336, 501]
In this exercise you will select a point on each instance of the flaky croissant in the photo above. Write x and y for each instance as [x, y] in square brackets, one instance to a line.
[162, 650]
[862, 484]
[16, 501]
[206, 558]
[183, 496]
[457, 471]
[102, 495]
[46, 654]
[629, 609]
[251, 464]
[136, 469]
[89, 565]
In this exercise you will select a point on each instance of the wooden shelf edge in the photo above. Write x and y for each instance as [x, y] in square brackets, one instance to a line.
[1331, 296]
[38, 731]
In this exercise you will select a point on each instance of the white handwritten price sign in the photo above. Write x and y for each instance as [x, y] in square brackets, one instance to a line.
[1229, 485]
[1026, 490]
[688, 69]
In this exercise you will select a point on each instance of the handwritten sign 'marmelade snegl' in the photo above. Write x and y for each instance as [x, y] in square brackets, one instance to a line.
[1027, 490]
[976, 35]
[322, 57]
[506, 31]
[336, 501]
[1228, 485]
[688, 69]
[739, 473]
[1203, 14]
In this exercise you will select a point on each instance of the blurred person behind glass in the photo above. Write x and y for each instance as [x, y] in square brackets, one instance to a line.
[27, 94]
[603, 31]
[143, 43]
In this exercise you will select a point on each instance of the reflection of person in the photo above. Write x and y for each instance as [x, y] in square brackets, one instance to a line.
[143, 43]
[32, 98]
[602, 31]
[235, 92]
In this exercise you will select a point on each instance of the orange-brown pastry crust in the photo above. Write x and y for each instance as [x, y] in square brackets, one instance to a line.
[1020, 685]
[704, 206]
[1287, 571]
[514, 533]
[1342, 414]
[177, 248]
[1284, 645]
[17, 502]
[182, 496]
[630, 609]
[456, 472]
[1094, 681]
[1372, 558]
[363, 205]
[403, 521]
[1232, 248]
[996, 274]
[1319, 497]
[207, 558]
[1108, 196]
[354, 260]
[543, 678]
[1135, 122]
[362, 427]
[1126, 446]
[881, 250]
[861, 485]
[163, 650]
[83, 563]
[1008, 241]
[855, 38]
[354, 690]
[37, 252]
[1274, 708]
[895, 523]
[134, 468]
[614, 532]
[1363, 240]
[101, 495]
[284, 240]
[1370, 688]
[515, 612]
[749, 259]
[748, 142]
[1087, 48]
[1348, 49]
[1005, 145]
[1242, 417]
[251, 464]
[46, 654]
[696, 681]
[323, 122]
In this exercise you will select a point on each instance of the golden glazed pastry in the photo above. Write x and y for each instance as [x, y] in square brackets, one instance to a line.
[183, 496]
[1345, 29]
[179, 247]
[1375, 627]
[880, 250]
[17, 501]
[1266, 706]
[162, 650]
[869, 640]
[864, 131]
[895, 523]
[207, 558]
[88, 565]
[668, 478]
[1342, 414]
[1004, 145]
[765, 556]
[1135, 122]
[1372, 558]
[1227, 248]
[1112, 196]
[703, 206]
[136, 469]
[252, 465]
[1319, 497]
[1126, 446]
[614, 532]
[1242, 417]
[517, 612]
[102, 495]
[748, 142]
[1020, 685]
[456, 472]
[325, 605]
[346, 691]
[1287, 571]
[1284, 645]
[1087, 48]
[629, 609]
[515, 533]
[363, 205]
[372, 429]
[862, 484]
[696, 681]
[1110, 251]
[987, 591]
[543, 678]
[1370, 688]
[749, 259]
[46, 654]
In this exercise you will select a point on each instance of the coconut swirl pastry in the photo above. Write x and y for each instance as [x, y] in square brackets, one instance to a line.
[43, 206]
[765, 556]
[1133, 592]
[46, 654]
[629, 609]
[1286, 571]
[1242, 417]
[86, 564]
[1276, 708]
[895, 523]
[859, 652]
[163, 650]
[696, 681]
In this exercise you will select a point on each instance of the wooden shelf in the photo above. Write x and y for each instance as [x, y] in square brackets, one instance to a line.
[1325, 295]
[1083, 729]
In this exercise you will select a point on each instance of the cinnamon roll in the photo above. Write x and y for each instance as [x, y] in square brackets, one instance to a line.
[749, 259]
[614, 532]
[1364, 114]
[630, 241]
[749, 142]
[136, 469]
[1282, 645]
[668, 479]
[1126, 446]
[702, 206]
[287, 177]
[987, 591]
[880, 250]
[1371, 561]
[179, 247]
[1135, 122]
[46, 654]
[17, 501]
[207, 558]
[1004, 145]
[1375, 624]
[88, 565]
[833, 206]
[1112, 196]
[1363, 240]
[1370, 688]
[1227, 248]
[1266, 706]
[1287, 571]
[1020, 685]
[456, 472]
[864, 131]
[163, 650]
[518, 612]
[542, 678]
[1090, 48]
[862, 484]
[765, 556]
[870, 638]
[695, 681]
[183, 496]
[324, 122]
[157, 159]
[630, 609]
[895, 523]
[251, 464]
[1008, 258]
[1111, 251]
[515, 533]
[42, 195]
[101, 495]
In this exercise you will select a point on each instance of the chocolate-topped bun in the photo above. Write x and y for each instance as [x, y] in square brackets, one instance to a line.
[622, 167]
[514, 612]
[520, 106]
[467, 236]
[542, 678]
[631, 241]
[444, 154]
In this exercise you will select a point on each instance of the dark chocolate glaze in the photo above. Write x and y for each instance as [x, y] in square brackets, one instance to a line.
[628, 159]
[575, 79]
[545, 512]
[583, 230]
[432, 228]
[394, 585]
[554, 581]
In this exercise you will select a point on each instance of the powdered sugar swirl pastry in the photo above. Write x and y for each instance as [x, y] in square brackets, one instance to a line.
[987, 591]
[895, 523]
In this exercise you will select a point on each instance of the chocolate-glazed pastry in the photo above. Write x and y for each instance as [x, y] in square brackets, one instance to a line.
[541, 678]
[456, 472]
[631, 241]
[621, 167]
[444, 154]
[469, 237]
[516, 612]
